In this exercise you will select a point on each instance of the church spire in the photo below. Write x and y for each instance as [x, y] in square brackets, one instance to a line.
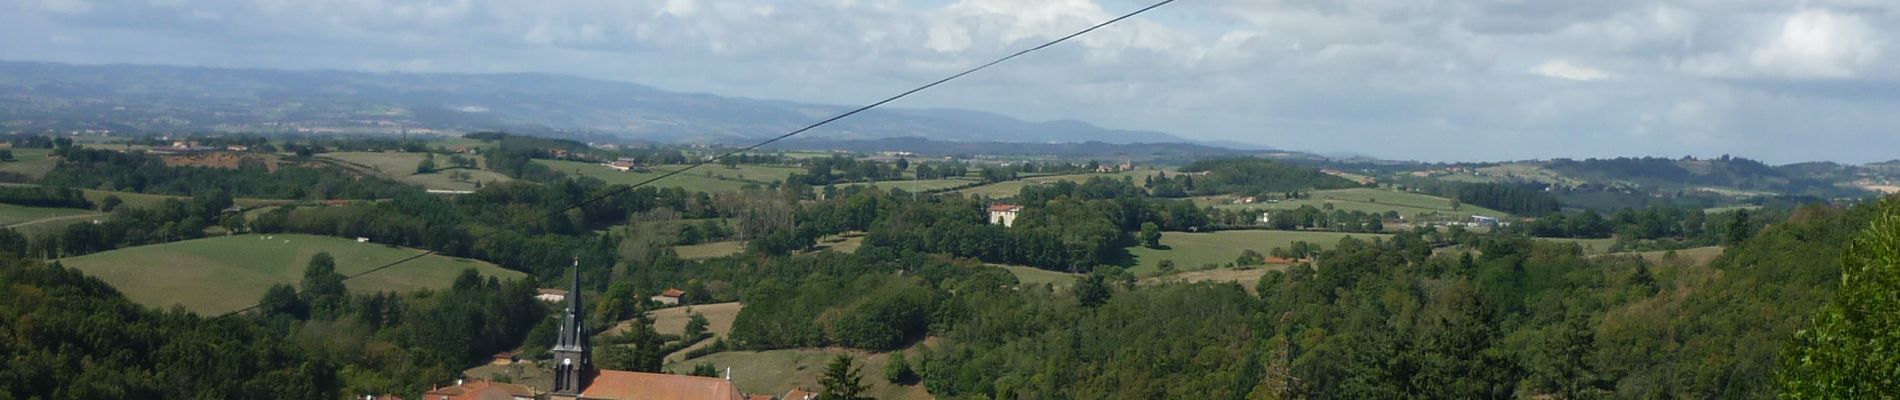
[572, 357]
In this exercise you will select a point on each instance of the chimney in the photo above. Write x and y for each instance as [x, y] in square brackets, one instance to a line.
[458, 382]
[728, 374]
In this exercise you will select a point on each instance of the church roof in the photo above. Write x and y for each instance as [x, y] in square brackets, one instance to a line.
[625, 385]
[480, 390]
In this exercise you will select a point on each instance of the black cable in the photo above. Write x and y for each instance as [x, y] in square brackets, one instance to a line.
[769, 141]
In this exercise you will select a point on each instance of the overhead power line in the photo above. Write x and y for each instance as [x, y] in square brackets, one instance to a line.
[774, 139]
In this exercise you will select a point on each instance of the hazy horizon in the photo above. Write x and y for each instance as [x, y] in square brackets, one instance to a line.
[1466, 81]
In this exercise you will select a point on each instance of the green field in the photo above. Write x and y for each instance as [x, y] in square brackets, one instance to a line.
[223, 274]
[1012, 188]
[1037, 276]
[34, 163]
[709, 178]
[709, 250]
[1192, 250]
[16, 214]
[776, 371]
[1590, 246]
[1365, 200]
[926, 185]
[402, 167]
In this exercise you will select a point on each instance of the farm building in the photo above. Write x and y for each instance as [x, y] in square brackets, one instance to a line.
[550, 295]
[669, 297]
[1483, 221]
[1004, 214]
[625, 166]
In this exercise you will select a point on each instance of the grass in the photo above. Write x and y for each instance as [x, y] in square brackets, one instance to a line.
[402, 167]
[1590, 246]
[1192, 250]
[705, 179]
[222, 274]
[1694, 256]
[777, 371]
[1366, 200]
[1247, 278]
[17, 214]
[719, 318]
[709, 250]
[1012, 188]
[915, 186]
[30, 162]
[1037, 276]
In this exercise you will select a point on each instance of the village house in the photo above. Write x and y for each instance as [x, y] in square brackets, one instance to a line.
[1483, 221]
[623, 166]
[1246, 200]
[1004, 214]
[669, 297]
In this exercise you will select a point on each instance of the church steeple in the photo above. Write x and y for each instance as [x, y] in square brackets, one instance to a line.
[573, 361]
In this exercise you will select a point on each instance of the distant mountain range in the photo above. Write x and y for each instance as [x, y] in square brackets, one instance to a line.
[138, 98]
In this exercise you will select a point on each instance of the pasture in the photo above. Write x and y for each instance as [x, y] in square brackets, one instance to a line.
[216, 275]
[919, 186]
[1365, 200]
[11, 214]
[33, 163]
[710, 178]
[1012, 188]
[776, 371]
[1590, 246]
[709, 250]
[1190, 251]
[402, 167]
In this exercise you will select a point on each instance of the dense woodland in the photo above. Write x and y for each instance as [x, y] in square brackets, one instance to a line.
[1422, 313]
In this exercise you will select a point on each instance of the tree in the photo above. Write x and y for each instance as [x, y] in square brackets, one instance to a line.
[1738, 228]
[1150, 235]
[322, 287]
[427, 165]
[111, 202]
[903, 164]
[898, 369]
[1849, 353]
[842, 380]
[1568, 368]
[281, 299]
[695, 326]
[1092, 290]
[1455, 204]
[1168, 265]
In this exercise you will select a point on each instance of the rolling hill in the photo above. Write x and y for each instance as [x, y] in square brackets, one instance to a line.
[134, 98]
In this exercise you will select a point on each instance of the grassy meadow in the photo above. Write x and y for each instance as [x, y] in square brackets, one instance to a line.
[776, 371]
[221, 274]
[11, 214]
[1362, 199]
[34, 163]
[1192, 250]
[1012, 188]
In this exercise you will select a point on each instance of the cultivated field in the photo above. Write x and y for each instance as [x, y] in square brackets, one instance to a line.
[216, 275]
[1247, 278]
[776, 371]
[1365, 200]
[1192, 250]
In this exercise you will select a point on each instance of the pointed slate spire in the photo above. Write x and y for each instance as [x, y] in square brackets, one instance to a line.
[573, 359]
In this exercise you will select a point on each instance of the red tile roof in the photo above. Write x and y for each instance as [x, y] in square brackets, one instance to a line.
[799, 394]
[1005, 208]
[611, 384]
[671, 292]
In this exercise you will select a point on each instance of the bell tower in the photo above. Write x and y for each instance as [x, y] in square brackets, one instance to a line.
[573, 361]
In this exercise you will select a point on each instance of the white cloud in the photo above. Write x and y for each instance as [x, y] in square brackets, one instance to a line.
[1810, 44]
[1564, 69]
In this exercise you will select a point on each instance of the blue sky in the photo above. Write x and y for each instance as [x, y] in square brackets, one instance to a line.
[1782, 81]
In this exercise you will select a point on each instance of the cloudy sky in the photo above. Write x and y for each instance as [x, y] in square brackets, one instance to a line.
[1780, 80]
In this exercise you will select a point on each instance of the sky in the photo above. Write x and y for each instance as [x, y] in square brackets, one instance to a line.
[1435, 80]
